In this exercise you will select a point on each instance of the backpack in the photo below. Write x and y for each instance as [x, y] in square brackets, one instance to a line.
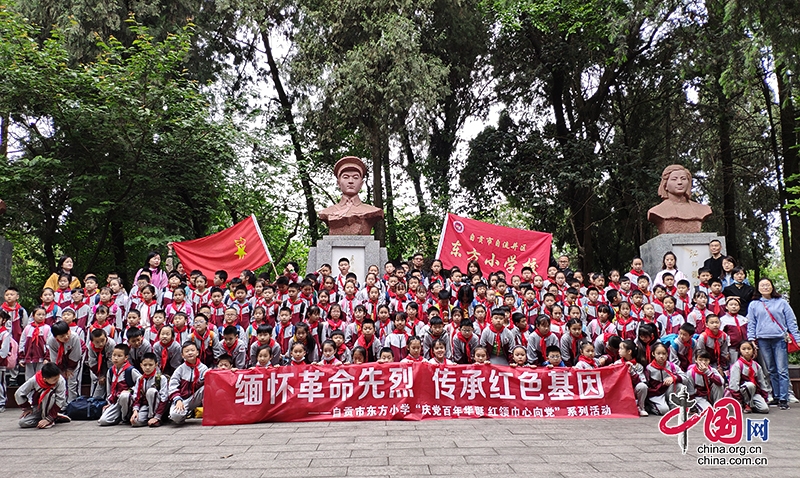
[85, 408]
[13, 352]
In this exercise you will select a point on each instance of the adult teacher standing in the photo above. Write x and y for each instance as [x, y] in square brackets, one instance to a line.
[64, 266]
[770, 320]
[158, 278]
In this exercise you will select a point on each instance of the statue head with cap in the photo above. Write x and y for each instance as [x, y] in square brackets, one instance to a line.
[350, 172]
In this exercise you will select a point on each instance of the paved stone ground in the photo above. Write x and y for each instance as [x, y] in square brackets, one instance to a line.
[464, 448]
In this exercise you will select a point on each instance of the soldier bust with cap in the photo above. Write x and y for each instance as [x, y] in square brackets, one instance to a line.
[350, 216]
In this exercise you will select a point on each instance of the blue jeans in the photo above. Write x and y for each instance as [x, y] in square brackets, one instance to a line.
[776, 357]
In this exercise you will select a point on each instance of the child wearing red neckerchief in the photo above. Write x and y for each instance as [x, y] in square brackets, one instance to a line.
[41, 398]
[120, 379]
[663, 379]
[33, 343]
[186, 385]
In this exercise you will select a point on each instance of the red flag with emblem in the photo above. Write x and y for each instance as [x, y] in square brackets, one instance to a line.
[494, 247]
[233, 250]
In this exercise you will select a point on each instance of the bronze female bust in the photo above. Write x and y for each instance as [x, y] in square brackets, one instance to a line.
[677, 213]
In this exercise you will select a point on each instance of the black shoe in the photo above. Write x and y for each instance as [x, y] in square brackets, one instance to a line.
[784, 405]
[773, 402]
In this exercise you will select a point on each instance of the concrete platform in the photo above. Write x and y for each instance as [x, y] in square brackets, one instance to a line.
[463, 448]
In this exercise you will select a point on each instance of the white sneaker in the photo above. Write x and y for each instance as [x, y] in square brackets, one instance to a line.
[792, 398]
[643, 413]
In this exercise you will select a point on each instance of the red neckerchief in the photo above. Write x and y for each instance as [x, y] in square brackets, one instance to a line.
[574, 346]
[624, 323]
[436, 278]
[295, 363]
[100, 355]
[36, 332]
[481, 327]
[497, 342]
[350, 300]
[672, 290]
[685, 299]
[751, 375]
[326, 307]
[145, 377]
[49, 309]
[340, 350]
[231, 349]
[524, 339]
[203, 338]
[164, 356]
[633, 360]
[637, 274]
[703, 313]
[367, 346]
[417, 359]
[542, 342]
[239, 308]
[735, 319]
[176, 306]
[467, 349]
[613, 285]
[61, 348]
[334, 325]
[115, 381]
[374, 312]
[647, 351]
[309, 298]
[179, 331]
[664, 368]
[46, 387]
[688, 346]
[12, 311]
[526, 309]
[636, 311]
[715, 338]
[382, 324]
[195, 374]
[586, 360]
[716, 307]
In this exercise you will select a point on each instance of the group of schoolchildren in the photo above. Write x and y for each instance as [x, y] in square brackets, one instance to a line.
[147, 350]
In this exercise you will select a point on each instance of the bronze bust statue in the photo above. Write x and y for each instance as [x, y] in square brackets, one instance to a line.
[677, 213]
[350, 216]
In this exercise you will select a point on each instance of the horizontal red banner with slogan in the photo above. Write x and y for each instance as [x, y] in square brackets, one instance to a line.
[497, 247]
[414, 391]
[234, 249]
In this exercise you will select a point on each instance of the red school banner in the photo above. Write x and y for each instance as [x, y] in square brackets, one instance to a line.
[465, 239]
[414, 391]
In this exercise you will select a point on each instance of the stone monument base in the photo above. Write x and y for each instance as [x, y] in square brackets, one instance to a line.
[690, 250]
[6, 250]
[362, 251]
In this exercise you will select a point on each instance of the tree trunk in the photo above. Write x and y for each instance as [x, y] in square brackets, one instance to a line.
[791, 168]
[118, 249]
[6, 118]
[728, 177]
[414, 173]
[288, 118]
[377, 183]
[391, 231]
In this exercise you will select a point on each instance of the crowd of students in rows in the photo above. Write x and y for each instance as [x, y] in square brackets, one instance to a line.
[147, 349]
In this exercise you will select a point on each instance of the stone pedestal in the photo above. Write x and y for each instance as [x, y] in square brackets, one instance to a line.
[691, 250]
[5, 265]
[362, 251]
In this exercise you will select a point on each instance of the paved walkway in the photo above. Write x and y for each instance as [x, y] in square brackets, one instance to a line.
[464, 448]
